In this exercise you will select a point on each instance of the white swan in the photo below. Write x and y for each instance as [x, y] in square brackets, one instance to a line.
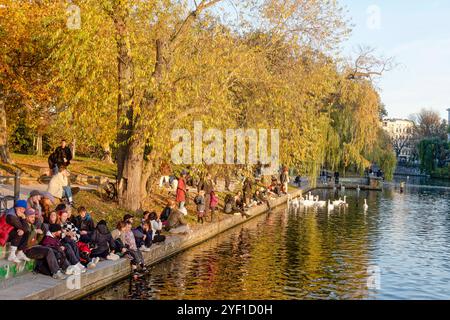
[345, 204]
[330, 206]
[365, 205]
[294, 203]
[337, 202]
[320, 204]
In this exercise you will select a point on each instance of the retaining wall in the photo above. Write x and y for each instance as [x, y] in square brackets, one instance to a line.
[39, 287]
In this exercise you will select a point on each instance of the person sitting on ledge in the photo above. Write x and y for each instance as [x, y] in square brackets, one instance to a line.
[47, 261]
[52, 240]
[34, 202]
[144, 234]
[84, 223]
[130, 244]
[103, 243]
[156, 226]
[167, 211]
[15, 217]
[176, 222]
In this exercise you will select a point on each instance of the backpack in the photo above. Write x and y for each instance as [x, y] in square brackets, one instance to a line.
[5, 229]
[85, 252]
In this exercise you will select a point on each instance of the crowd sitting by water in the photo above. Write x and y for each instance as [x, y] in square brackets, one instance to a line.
[64, 239]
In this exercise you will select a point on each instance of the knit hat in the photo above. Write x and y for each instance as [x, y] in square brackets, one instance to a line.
[35, 193]
[30, 212]
[54, 227]
[21, 204]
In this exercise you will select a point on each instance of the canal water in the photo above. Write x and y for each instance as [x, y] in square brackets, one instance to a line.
[398, 249]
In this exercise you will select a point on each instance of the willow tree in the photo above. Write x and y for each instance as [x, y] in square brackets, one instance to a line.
[146, 41]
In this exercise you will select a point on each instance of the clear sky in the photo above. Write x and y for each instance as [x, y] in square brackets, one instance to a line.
[417, 34]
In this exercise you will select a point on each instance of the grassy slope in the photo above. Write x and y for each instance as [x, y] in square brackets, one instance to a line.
[31, 165]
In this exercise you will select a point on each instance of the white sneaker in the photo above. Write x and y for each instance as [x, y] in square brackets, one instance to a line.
[95, 260]
[12, 257]
[76, 270]
[21, 256]
[91, 265]
[70, 270]
[113, 257]
[144, 248]
[80, 267]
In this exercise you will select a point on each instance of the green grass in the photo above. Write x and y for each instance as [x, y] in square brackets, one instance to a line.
[31, 165]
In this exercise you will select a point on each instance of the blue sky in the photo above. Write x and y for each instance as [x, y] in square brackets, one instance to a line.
[417, 34]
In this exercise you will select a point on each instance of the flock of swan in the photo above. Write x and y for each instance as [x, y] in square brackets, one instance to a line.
[314, 202]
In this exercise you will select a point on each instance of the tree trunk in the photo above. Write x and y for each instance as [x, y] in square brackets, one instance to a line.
[4, 152]
[107, 156]
[130, 153]
[39, 151]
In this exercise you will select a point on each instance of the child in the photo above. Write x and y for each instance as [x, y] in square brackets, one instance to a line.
[200, 202]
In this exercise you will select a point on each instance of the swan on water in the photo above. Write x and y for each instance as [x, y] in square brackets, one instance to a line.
[320, 204]
[337, 202]
[330, 206]
[365, 205]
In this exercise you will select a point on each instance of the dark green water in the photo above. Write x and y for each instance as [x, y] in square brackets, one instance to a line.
[399, 249]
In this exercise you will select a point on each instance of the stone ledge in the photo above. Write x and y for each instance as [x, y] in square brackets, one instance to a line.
[39, 287]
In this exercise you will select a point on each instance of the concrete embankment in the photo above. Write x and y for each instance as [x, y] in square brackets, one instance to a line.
[33, 286]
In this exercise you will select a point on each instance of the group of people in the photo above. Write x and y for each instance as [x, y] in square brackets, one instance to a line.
[63, 243]
[206, 199]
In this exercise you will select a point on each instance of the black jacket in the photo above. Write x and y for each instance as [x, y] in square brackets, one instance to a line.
[59, 154]
[86, 224]
[101, 238]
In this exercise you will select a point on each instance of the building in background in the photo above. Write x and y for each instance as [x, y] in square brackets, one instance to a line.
[401, 132]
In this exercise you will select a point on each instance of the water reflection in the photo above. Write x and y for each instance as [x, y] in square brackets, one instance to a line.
[315, 255]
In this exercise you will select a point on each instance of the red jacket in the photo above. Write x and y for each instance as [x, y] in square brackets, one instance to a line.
[181, 190]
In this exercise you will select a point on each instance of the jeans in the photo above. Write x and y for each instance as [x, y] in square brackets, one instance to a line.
[72, 250]
[68, 192]
[44, 253]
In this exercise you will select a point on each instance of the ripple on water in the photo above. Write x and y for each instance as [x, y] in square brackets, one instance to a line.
[312, 255]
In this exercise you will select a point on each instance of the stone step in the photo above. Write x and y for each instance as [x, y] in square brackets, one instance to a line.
[10, 269]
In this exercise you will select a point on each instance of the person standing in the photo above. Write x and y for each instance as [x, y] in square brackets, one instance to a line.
[200, 202]
[181, 190]
[284, 179]
[247, 190]
[208, 187]
[60, 157]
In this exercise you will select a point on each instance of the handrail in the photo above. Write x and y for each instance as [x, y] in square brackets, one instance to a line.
[16, 184]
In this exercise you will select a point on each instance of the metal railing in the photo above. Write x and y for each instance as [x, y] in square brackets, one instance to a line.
[4, 199]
